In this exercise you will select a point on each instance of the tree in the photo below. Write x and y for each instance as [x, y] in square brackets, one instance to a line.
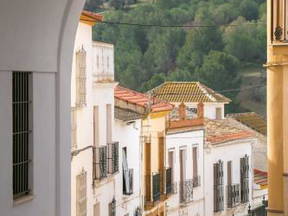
[249, 9]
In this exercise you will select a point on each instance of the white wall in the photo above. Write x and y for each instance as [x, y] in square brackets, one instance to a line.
[186, 140]
[230, 151]
[38, 36]
[128, 136]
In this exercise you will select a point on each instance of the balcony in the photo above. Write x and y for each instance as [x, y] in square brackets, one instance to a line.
[186, 191]
[233, 195]
[196, 181]
[128, 182]
[153, 190]
[169, 181]
[100, 168]
[113, 157]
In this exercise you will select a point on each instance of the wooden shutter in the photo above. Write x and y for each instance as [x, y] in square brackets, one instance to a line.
[148, 171]
[81, 78]
[96, 125]
[229, 173]
[218, 187]
[195, 162]
[244, 175]
[161, 163]
[126, 182]
[109, 123]
[81, 194]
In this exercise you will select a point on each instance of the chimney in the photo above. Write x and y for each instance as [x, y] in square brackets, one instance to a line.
[200, 110]
[182, 111]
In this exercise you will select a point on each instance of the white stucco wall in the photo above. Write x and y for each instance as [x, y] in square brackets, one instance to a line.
[230, 151]
[186, 140]
[128, 136]
[38, 36]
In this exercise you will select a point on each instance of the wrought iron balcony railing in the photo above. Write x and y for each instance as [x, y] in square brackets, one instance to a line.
[233, 195]
[196, 181]
[186, 191]
[113, 157]
[156, 193]
[128, 183]
[100, 168]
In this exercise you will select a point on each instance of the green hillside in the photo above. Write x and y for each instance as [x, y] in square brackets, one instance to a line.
[232, 37]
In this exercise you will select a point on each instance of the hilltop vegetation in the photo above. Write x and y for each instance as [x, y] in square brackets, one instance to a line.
[214, 55]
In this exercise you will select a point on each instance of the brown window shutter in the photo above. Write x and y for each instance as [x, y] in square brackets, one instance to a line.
[229, 173]
[109, 123]
[195, 162]
[96, 125]
[148, 171]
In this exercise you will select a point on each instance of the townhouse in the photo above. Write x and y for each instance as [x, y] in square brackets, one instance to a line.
[185, 162]
[227, 181]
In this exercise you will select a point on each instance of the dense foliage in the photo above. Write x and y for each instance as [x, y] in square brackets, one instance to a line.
[147, 56]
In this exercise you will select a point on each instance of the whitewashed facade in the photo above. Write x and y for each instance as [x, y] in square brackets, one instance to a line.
[95, 153]
[128, 193]
[229, 154]
[185, 149]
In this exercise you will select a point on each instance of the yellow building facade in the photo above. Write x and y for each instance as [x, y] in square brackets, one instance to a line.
[277, 106]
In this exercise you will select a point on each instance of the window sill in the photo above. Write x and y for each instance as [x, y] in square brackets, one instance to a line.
[23, 199]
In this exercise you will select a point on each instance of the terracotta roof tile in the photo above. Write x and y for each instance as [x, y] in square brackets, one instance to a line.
[251, 120]
[260, 177]
[188, 92]
[141, 99]
[93, 16]
[219, 131]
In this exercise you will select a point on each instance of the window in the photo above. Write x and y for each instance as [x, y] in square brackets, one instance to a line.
[244, 179]
[109, 123]
[74, 128]
[196, 177]
[218, 187]
[113, 157]
[127, 174]
[81, 194]
[218, 113]
[96, 125]
[279, 16]
[229, 172]
[81, 78]
[191, 112]
[21, 93]
[100, 168]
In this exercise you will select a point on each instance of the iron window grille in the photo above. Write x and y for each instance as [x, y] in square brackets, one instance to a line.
[196, 181]
[156, 187]
[100, 162]
[112, 208]
[113, 157]
[169, 181]
[244, 181]
[186, 191]
[233, 195]
[21, 88]
[218, 187]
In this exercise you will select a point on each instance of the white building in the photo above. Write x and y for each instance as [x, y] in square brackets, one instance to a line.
[95, 153]
[228, 168]
[128, 126]
[192, 93]
[185, 159]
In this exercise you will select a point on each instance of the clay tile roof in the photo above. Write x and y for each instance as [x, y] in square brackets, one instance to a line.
[188, 92]
[224, 130]
[260, 177]
[141, 99]
[91, 16]
[251, 120]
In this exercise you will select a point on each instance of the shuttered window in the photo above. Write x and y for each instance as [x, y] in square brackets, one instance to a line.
[196, 177]
[100, 167]
[218, 187]
[96, 125]
[81, 78]
[21, 94]
[97, 209]
[244, 179]
[127, 174]
[74, 128]
[81, 194]
[109, 123]
[229, 172]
